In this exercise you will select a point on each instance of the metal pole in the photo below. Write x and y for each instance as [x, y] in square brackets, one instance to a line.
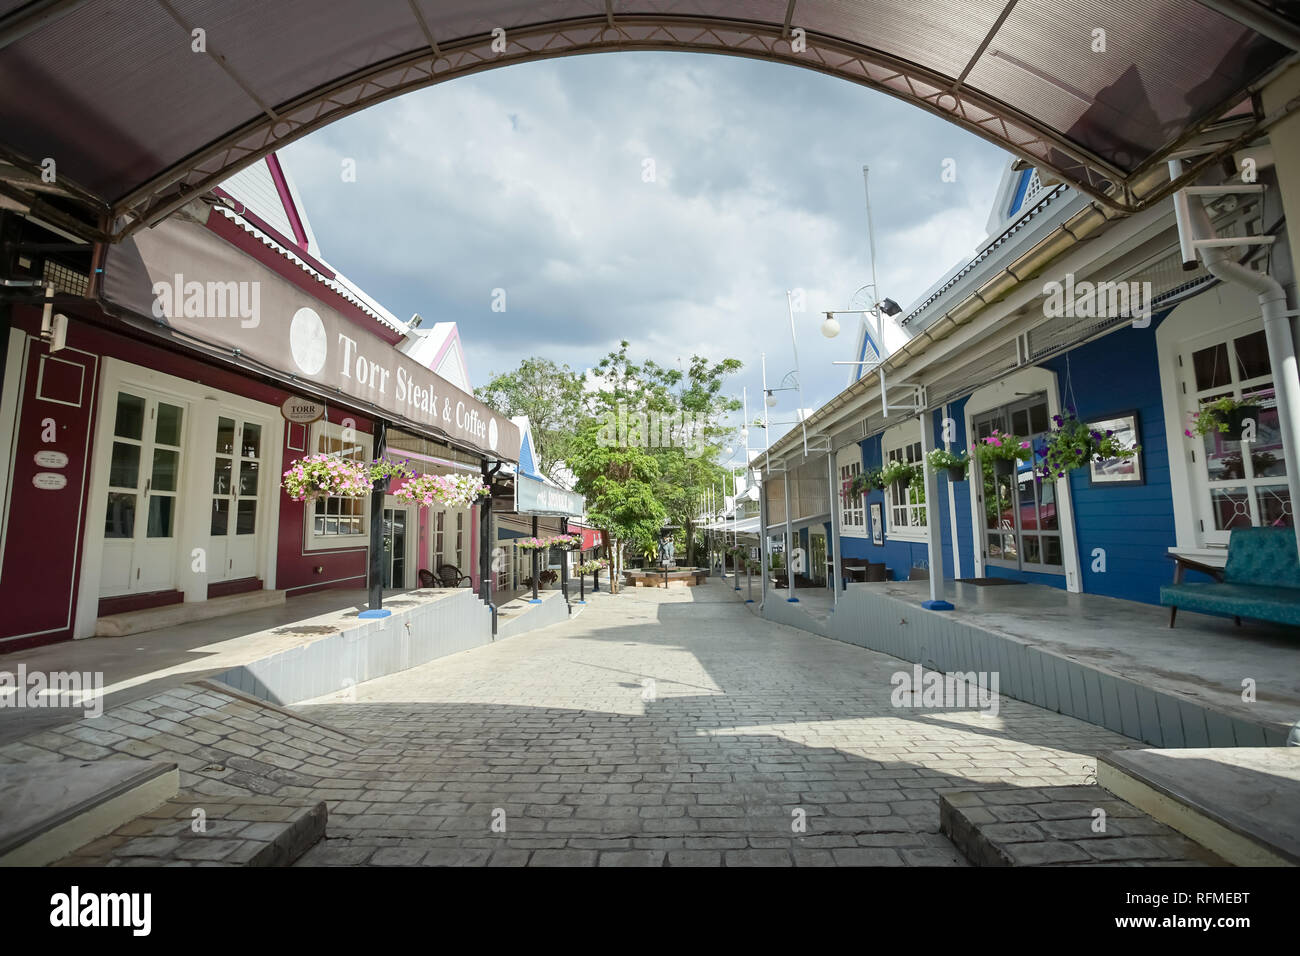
[536, 599]
[789, 539]
[798, 375]
[564, 563]
[767, 431]
[837, 577]
[933, 543]
[375, 600]
[765, 545]
[485, 550]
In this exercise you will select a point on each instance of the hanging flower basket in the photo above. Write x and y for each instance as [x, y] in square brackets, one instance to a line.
[568, 542]
[1005, 452]
[1226, 416]
[452, 491]
[1073, 444]
[940, 459]
[900, 474]
[327, 476]
[591, 567]
[532, 544]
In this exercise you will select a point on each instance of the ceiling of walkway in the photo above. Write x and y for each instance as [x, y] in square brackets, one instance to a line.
[140, 116]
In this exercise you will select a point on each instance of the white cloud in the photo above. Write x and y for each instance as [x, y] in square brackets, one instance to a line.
[529, 179]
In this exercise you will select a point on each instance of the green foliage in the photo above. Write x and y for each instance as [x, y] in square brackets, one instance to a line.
[1073, 444]
[1213, 417]
[899, 471]
[941, 458]
[552, 397]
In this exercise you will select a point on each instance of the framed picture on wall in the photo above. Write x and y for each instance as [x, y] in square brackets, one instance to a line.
[1118, 471]
[877, 523]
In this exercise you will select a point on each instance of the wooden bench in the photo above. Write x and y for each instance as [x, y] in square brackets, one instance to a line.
[1261, 580]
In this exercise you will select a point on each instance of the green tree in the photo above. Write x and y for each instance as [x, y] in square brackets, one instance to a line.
[551, 395]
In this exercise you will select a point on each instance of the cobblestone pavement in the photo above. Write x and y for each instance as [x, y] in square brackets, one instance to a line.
[669, 727]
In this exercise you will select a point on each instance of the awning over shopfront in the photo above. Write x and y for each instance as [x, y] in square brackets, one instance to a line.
[148, 105]
[184, 283]
[534, 497]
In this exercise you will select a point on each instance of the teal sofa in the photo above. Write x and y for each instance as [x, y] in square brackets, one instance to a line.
[1261, 580]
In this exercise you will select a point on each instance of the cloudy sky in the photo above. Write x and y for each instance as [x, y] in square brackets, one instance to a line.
[667, 198]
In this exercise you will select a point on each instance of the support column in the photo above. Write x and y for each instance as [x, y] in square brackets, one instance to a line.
[765, 543]
[534, 562]
[789, 539]
[564, 564]
[485, 537]
[933, 538]
[378, 490]
[837, 582]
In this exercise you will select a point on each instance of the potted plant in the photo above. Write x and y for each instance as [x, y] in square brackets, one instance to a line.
[454, 491]
[1074, 443]
[1226, 415]
[940, 459]
[532, 544]
[327, 476]
[900, 474]
[1005, 452]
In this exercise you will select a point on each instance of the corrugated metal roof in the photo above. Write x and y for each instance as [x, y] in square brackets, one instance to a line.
[145, 104]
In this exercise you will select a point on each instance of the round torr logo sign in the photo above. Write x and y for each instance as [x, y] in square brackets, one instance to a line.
[301, 411]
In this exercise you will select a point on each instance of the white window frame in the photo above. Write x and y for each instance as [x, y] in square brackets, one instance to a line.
[1203, 500]
[336, 542]
[1008, 391]
[904, 441]
[1226, 310]
[853, 507]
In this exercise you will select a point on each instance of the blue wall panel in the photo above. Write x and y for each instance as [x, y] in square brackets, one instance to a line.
[1132, 524]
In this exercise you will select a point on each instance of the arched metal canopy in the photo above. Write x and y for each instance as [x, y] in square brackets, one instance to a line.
[140, 116]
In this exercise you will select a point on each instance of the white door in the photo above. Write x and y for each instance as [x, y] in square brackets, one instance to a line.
[236, 504]
[139, 551]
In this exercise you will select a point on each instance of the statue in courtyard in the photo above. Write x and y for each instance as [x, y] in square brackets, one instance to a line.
[666, 553]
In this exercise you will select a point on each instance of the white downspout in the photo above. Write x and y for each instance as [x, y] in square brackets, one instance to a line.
[1194, 223]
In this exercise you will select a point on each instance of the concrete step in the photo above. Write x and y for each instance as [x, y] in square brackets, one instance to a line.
[198, 830]
[51, 808]
[1239, 802]
[170, 615]
[1061, 826]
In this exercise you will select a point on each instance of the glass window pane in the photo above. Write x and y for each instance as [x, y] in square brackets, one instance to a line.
[248, 472]
[1052, 550]
[168, 429]
[1274, 506]
[162, 515]
[1231, 507]
[246, 517]
[331, 525]
[1038, 418]
[220, 516]
[166, 469]
[130, 417]
[1020, 422]
[119, 519]
[1222, 457]
[1047, 506]
[225, 436]
[221, 469]
[1252, 355]
[252, 441]
[319, 526]
[1030, 543]
[1211, 367]
[124, 469]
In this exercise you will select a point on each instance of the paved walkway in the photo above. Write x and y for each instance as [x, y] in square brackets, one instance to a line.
[670, 726]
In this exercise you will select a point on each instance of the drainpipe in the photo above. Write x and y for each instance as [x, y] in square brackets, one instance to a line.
[1194, 224]
[837, 575]
[765, 542]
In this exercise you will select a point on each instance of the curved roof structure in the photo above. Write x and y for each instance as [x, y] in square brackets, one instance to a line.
[144, 105]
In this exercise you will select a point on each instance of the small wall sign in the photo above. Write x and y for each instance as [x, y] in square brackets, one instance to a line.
[51, 459]
[301, 410]
[49, 481]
